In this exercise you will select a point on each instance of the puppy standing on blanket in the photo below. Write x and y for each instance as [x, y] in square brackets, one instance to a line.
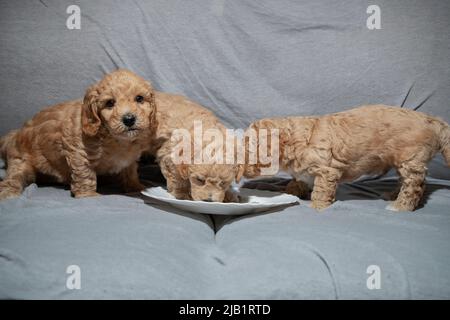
[74, 141]
[365, 140]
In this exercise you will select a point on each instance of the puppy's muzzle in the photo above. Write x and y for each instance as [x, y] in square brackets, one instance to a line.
[129, 120]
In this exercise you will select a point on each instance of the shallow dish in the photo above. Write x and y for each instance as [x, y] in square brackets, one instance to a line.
[252, 200]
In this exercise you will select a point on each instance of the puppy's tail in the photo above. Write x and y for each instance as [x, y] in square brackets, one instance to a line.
[5, 141]
[444, 140]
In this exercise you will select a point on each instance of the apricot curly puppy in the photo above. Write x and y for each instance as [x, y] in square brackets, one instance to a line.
[189, 181]
[75, 141]
[365, 140]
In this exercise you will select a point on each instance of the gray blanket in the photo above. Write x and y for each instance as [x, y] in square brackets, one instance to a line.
[244, 60]
[128, 247]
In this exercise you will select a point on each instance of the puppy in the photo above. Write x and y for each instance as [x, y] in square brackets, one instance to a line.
[343, 146]
[187, 180]
[75, 141]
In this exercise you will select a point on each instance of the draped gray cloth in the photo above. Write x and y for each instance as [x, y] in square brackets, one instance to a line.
[244, 60]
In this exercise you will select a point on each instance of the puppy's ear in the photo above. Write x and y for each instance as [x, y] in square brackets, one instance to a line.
[152, 114]
[90, 120]
[183, 171]
[152, 101]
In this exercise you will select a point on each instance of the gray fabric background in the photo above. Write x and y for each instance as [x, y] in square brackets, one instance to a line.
[244, 60]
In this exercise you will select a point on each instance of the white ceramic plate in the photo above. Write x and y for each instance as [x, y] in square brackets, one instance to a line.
[252, 200]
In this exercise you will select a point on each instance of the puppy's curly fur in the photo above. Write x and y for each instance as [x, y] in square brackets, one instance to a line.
[74, 141]
[365, 140]
[202, 182]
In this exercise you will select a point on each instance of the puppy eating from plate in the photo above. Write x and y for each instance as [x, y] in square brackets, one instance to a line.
[189, 179]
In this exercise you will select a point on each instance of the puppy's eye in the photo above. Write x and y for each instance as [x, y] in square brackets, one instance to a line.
[110, 103]
[199, 181]
[139, 99]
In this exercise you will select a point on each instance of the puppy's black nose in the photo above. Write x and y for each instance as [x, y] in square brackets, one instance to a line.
[129, 119]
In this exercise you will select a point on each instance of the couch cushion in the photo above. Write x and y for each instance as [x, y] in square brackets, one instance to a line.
[130, 248]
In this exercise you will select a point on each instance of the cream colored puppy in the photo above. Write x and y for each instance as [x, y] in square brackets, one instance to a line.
[187, 180]
[73, 142]
[367, 140]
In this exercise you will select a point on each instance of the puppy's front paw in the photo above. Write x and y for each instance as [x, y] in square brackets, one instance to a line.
[86, 194]
[320, 205]
[7, 193]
